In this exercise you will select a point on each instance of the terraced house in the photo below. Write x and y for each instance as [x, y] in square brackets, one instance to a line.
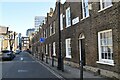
[88, 29]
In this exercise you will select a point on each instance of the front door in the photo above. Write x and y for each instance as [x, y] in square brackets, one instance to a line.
[82, 50]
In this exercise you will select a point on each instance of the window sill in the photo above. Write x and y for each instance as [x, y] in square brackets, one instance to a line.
[68, 26]
[106, 63]
[68, 56]
[52, 34]
[54, 54]
[85, 18]
[105, 8]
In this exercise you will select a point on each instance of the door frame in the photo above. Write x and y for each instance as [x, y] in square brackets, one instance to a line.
[81, 37]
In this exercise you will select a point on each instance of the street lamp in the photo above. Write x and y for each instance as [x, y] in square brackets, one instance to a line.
[60, 61]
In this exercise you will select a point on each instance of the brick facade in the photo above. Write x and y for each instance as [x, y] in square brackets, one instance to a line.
[89, 28]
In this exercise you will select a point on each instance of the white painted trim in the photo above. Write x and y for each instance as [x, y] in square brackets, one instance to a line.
[107, 62]
[54, 53]
[68, 25]
[102, 9]
[99, 51]
[61, 21]
[67, 56]
[84, 18]
[103, 61]
[81, 36]
[105, 31]
[83, 13]
[75, 20]
[80, 48]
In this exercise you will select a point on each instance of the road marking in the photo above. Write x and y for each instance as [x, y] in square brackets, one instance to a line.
[22, 70]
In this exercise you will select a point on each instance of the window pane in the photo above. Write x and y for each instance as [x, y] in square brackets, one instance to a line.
[109, 55]
[87, 12]
[106, 45]
[102, 49]
[85, 8]
[68, 19]
[106, 3]
[105, 55]
[102, 56]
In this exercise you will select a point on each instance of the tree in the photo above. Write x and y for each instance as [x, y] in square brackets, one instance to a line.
[11, 39]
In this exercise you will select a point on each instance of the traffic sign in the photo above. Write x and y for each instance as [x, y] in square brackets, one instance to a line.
[42, 40]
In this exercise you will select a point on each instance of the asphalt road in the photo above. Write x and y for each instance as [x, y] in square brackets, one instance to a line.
[27, 68]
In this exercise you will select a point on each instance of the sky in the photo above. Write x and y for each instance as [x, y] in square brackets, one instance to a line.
[19, 16]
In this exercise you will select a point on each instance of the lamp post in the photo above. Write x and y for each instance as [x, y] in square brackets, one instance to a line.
[60, 61]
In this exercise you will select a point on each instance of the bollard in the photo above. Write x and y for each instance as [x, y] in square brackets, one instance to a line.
[81, 70]
[46, 58]
[42, 57]
[21, 59]
[52, 61]
[62, 62]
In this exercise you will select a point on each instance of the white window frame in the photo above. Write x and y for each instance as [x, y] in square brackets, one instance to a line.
[103, 8]
[54, 53]
[68, 17]
[104, 61]
[50, 50]
[84, 8]
[68, 45]
[44, 34]
[52, 26]
[61, 21]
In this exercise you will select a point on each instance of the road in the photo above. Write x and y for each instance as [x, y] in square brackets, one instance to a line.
[28, 68]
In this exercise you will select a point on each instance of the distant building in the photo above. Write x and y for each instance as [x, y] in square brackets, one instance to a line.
[19, 41]
[25, 43]
[38, 20]
[3, 30]
[30, 31]
[3, 38]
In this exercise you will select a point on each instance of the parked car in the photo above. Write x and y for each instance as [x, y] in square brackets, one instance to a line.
[17, 51]
[7, 55]
[12, 54]
[28, 51]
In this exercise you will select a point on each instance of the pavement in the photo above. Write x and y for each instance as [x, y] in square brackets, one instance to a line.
[72, 73]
